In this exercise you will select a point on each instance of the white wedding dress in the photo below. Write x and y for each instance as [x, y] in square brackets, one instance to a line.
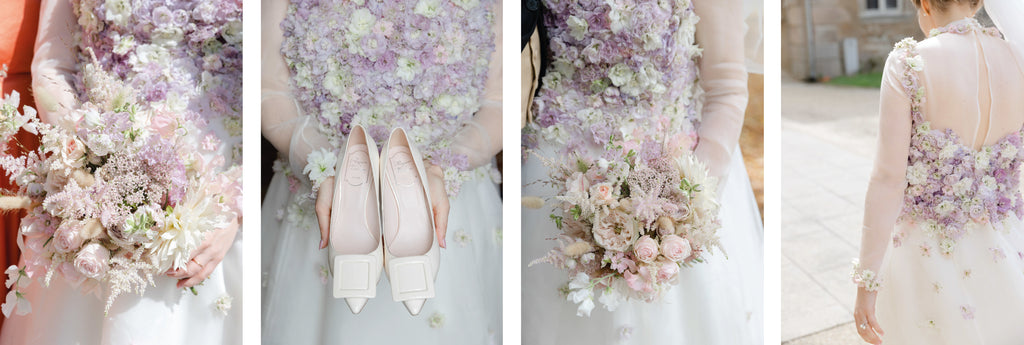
[164, 314]
[942, 242]
[298, 307]
[716, 302]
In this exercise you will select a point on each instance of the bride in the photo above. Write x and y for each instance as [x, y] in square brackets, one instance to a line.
[184, 57]
[942, 253]
[337, 77]
[633, 73]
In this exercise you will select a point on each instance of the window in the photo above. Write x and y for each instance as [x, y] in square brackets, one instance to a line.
[881, 7]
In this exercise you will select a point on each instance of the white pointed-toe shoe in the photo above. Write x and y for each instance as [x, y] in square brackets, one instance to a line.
[356, 246]
[411, 252]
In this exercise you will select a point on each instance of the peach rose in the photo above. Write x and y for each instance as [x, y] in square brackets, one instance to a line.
[615, 230]
[602, 192]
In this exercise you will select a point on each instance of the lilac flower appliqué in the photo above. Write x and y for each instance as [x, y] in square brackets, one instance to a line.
[950, 185]
[417, 65]
[967, 311]
[620, 72]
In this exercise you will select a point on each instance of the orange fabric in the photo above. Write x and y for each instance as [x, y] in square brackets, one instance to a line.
[17, 42]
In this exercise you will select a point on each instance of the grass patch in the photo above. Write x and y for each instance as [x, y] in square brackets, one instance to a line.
[873, 79]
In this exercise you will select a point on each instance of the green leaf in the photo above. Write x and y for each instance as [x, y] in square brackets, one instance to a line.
[558, 221]
[576, 212]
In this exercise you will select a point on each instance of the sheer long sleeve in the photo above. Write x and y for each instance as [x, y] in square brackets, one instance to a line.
[480, 138]
[723, 77]
[54, 65]
[283, 124]
[884, 199]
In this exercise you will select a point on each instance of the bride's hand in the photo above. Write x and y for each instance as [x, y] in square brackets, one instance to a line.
[323, 209]
[864, 315]
[206, 258]
[438, 197]
[439, 202]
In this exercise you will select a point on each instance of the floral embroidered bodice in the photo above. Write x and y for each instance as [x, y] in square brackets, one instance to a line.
[621, 71]
[949, 184]
[181, 59]
[416, 64]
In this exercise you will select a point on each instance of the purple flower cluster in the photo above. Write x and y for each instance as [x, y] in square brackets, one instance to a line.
[415, 64]
[184, 56]
[619, 65]
[153, 176]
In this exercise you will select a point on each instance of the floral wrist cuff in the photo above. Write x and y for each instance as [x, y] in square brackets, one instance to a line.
[319, 166]
[454, 165]
[865, 278]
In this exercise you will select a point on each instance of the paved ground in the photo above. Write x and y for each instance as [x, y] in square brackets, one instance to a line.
[828, 141]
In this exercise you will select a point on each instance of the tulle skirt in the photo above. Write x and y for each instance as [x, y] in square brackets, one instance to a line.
[298, 307]
[973, 296]
[718, 302]
[62, 315]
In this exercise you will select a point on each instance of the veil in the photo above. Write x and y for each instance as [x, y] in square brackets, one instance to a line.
[1007, 14]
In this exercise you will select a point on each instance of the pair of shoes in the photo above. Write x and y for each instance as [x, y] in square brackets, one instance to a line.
[381, 218]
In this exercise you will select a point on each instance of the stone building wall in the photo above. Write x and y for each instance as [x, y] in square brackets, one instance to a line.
[834, 21]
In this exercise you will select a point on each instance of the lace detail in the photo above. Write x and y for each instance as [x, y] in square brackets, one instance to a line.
[950, 185]
[619, 74]
[415, 64]
[964, 26]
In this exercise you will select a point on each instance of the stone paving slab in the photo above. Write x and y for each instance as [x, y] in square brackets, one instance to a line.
[828, 143]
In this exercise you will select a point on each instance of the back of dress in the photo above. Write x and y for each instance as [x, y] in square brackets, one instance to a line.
[972, 80]
[941, 245]
[966, 116]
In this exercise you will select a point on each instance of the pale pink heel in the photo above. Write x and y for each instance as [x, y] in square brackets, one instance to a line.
[356, 246]
[412, 255]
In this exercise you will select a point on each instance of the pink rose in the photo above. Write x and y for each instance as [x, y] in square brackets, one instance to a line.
[646, 249]
[71, 274]
[668, 271]
[93, 260]
[675, 248]
[67, 238]
[602, 192]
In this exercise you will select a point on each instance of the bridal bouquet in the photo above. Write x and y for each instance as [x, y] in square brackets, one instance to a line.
[125, 195]
[629, 222]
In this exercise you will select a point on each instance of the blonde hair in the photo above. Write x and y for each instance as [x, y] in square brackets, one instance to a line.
[942, 5]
